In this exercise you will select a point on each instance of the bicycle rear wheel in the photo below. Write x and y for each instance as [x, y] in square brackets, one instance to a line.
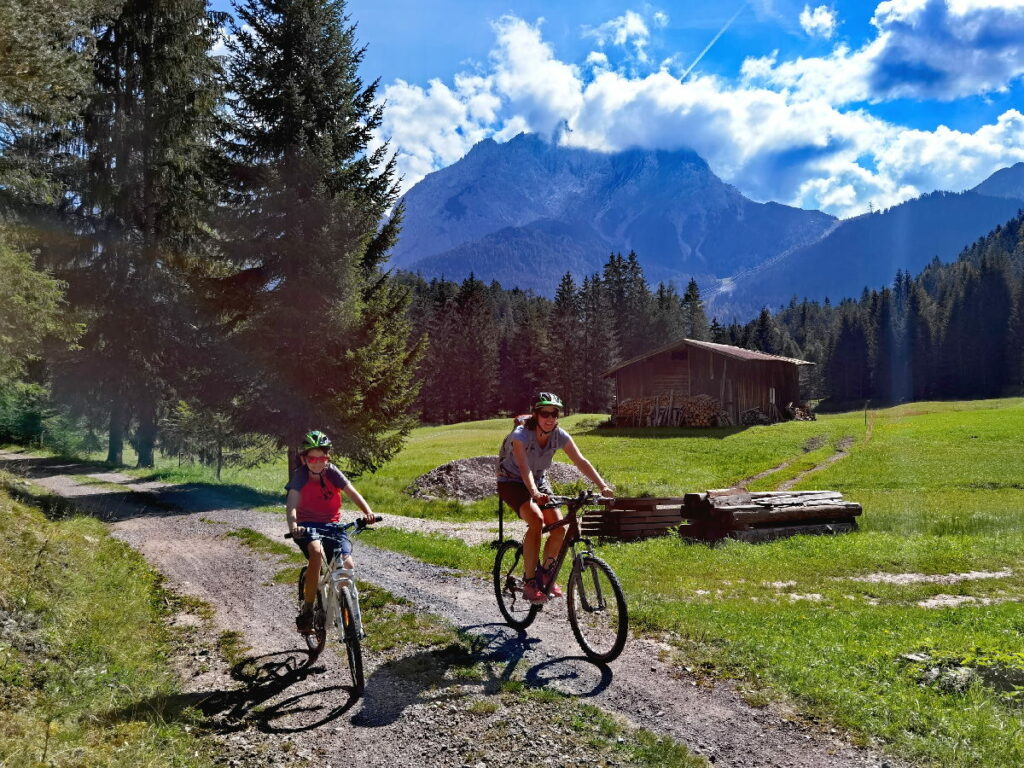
[348, 631]
[314, 640]
[597, 609]
[519, 613]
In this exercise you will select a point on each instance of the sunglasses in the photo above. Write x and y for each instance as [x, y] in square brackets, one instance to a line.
[548, 414]
[316, 459]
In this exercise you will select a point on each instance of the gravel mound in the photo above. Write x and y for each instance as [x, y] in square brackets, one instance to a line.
[473, 479]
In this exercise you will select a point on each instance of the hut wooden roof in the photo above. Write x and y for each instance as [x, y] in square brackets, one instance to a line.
[738, 353]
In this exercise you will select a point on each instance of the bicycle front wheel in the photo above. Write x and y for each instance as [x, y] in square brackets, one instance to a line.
[314, 640]
[597, 609]
[349, 631]
[508, 586]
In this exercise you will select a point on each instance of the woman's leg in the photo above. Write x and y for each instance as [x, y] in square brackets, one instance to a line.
[316, 556]
[555, 538]
[534, 519]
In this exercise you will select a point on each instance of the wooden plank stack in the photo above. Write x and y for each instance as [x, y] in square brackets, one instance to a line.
[634, 519]
[764, 516]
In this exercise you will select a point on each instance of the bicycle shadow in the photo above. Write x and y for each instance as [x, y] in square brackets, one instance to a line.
[486, 660]
[261, 679]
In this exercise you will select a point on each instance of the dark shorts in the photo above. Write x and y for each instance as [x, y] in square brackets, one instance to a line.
[329, 545]
[515, 494]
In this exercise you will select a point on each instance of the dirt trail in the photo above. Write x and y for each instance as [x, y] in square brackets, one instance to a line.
[309, 710]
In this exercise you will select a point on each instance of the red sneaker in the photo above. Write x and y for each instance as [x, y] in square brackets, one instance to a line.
[533, 595]
[543, 576]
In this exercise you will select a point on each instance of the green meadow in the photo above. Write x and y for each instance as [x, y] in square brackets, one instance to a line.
[814, 621]
[931, 669]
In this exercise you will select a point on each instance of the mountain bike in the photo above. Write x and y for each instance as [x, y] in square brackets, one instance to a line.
[337, 602]
[596, 604]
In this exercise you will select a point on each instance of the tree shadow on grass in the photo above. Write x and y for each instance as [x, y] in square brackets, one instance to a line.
[663, 433]
[107, 504]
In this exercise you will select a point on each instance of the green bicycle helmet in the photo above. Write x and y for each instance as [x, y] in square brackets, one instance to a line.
[315, 439]
[548, 398]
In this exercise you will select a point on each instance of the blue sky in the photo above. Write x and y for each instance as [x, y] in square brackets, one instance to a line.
[835, 106]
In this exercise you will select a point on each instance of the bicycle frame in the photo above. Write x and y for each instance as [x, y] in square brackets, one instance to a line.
[573, 505]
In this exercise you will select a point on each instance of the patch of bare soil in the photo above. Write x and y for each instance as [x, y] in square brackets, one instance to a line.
[420, 707]
[473, 479]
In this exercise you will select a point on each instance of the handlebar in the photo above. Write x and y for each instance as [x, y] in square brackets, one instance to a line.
[359, 524]
[583, 498]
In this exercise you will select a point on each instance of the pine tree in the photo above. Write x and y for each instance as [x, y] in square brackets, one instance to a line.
[695, 320]
[472, 381]
[597, 351]
[1015, 342]
[565, 371]
[322, 334]
[847, 371]
[667, 316]
[140, 203]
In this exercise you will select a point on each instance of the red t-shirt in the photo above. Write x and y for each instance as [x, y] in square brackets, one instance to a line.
[320, 498]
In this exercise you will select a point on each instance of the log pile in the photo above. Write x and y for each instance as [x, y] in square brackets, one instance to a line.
[633, 519]
[800, 412]
[764, 516]
[726, 513]
[668, 410]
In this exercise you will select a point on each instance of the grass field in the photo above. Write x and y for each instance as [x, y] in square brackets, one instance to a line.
[85, 676]
[808, 620]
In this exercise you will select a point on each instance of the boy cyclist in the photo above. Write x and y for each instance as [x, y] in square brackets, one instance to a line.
[314, 500]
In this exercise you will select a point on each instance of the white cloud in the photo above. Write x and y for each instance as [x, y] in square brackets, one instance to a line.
[660, 19]
[923, 49]
[795, 145]
[630, 29]
[821, 22]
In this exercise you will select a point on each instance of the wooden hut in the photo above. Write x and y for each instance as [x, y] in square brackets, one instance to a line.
[739, 379]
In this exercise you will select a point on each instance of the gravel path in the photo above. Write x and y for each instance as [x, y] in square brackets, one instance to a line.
[308, 712]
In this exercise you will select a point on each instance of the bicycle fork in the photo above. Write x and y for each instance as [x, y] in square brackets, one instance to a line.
[344, 578]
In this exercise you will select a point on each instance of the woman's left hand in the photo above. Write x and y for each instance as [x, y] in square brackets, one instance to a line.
[607, 490]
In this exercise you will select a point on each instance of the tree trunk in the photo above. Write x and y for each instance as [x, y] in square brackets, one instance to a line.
[115, 439]
[146, 436]
[293, 461]
[220, 459]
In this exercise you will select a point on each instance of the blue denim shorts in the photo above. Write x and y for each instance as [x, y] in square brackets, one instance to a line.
[341, 541]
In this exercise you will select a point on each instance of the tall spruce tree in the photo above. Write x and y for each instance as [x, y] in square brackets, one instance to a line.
[597, 351]
[565, 371]
[321, 333]
[139, 204]
[695, 319]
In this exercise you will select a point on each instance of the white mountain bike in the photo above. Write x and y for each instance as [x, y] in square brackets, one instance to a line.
[337, 602]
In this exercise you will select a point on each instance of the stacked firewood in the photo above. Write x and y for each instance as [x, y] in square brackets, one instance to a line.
[667, 410]
[800, 412]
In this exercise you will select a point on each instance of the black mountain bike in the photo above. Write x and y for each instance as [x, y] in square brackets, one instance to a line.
[596, 604]
[337, 602]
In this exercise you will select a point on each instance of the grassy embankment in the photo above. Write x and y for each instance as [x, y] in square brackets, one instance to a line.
[942, 486]
[84, 671]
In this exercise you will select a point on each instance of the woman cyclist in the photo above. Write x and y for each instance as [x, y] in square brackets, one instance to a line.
[314, 500]
[525, 456]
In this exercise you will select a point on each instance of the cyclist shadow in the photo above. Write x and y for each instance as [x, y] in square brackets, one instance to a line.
[486, 659]
[256, 702]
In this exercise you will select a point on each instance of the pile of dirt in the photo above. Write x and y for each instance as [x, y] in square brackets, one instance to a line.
[474, 479]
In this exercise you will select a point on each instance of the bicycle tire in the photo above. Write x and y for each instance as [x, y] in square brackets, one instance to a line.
[508, 588]
[316, 639]
[598, 620]
[350, 638]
